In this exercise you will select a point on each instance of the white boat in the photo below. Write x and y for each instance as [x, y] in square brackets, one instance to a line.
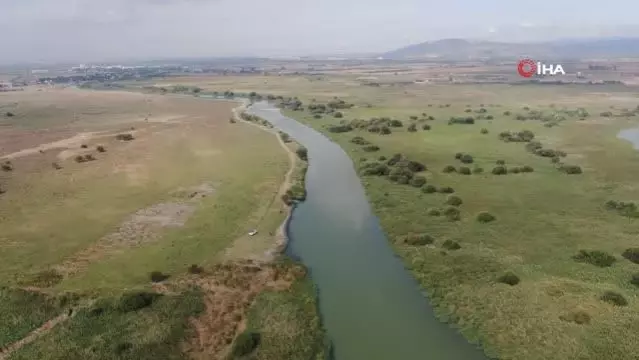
[253, 232]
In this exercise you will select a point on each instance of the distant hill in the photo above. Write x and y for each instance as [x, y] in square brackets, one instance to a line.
[458, 49]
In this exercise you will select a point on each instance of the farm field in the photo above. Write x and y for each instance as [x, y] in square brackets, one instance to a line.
[118, 211]
[522, 227]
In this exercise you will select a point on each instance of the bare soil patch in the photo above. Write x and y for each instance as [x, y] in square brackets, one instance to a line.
[230, 290]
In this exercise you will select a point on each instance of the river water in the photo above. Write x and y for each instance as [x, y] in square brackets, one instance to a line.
[631, 135]
[370, 304]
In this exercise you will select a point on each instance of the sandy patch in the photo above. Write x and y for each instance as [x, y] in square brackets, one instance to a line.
[136, 174]
[72, 142]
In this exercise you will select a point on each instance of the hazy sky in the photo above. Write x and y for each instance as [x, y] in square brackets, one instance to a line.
[90, 30]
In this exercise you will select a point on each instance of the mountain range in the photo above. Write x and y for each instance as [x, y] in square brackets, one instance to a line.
[575, 49]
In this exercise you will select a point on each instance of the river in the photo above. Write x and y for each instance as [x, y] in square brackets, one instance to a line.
[371, 306]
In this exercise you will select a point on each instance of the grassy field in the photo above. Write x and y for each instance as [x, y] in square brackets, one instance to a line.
[102, 189]
[542, 220]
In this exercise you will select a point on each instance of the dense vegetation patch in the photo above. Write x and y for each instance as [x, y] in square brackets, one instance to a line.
[485, 217]
[632, 254]
[418, 239]
[627, 209]
[614, 298]
[509, 278]
[451, 245]
[595, 257]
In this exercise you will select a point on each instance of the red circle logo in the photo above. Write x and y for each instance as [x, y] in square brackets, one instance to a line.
[527, 68]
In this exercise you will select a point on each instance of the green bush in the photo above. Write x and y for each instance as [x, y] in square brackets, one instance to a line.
[449, 169]
[485, 217]
[459, 155]
[157, 276]
[302, 153]
[570, 169]
[478, 170]
[614, 298]
[632, 254]
[370, 148]
[338, 115]
[418, 239]
[452, 213]
[382, 158]
[426, 127]
[454, 200]
[136, 300]
[433, 212]
[446, 190]
[484, 131]
[100, 148]
[418, 181]
[464, 170]
[412, 128]
[245, 344]
[509, 278]
[385, 130]
[501, 162]
[7, 167]
[527, 169]
[451, 245]
[396, 123]
[429, 189]
[514, 170]
[9, 114]
[466, 159]
[635, 280]
[359, 140]
[84, 146]
[596, 257]
[499, 170]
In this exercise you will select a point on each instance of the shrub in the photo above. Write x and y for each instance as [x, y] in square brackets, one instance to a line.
[449, 169]
[464, 170]
[446, 190]
[124, 137]
[338, 115]
[396, 123]
[499, 170]
[395, 159]
[466, 159]
[6, 167]
[514, 170]
[157, 276]
[84, 146]
[371, 148]
[632, 254]
[459, 155]
[195, 269]
[452, 213]
[478, 170]
[454, 200]
[527, 169]
[302, 153]
[80, 159]
[451, 245]
[433, 212]
[614, 298]
[426, 127]
[500, 162]
[412, 128]
[635, 280]
[484, 131]
[509, 278]
[317, 116]
[596, 257]
[89, 157]
[340, 128]
[385, 130]
[245, 343]
[100, 148]
[468, 110]
[507, 113]
[285, 137]
[9, 114]
[136, 300]
[570, 169]
[578, 317]
[485, 217]
[359, 140]
[418, 181]
[554, 160]
[429, 189]
[418, 239]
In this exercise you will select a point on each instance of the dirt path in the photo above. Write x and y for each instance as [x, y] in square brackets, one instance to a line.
[281, 238]
[32, 336]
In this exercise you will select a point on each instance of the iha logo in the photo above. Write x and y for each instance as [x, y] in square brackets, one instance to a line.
[527, 68]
